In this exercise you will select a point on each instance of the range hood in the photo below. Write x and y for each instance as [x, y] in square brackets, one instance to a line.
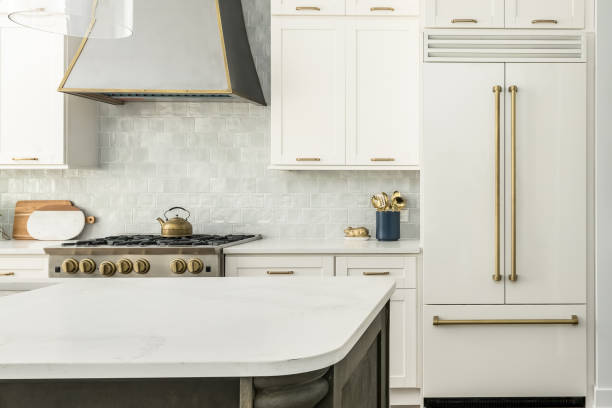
[187, 50]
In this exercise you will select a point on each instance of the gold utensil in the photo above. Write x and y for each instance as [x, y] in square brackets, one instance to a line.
[376, 202]
[398, 203]
[386, 201]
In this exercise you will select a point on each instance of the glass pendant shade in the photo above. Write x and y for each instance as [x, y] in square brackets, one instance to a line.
[105, 19]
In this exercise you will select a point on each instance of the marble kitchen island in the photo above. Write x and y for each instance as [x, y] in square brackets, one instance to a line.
[212, 342]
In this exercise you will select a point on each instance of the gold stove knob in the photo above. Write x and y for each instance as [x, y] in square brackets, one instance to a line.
[70, 265]
[107, 268]
[142, 266]
[125, 266]
[195, 265]
[178, 266]
[87, 266]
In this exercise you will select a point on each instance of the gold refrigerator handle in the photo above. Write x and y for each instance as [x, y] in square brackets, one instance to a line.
[497, 91]
[513, 90]
[573, 320]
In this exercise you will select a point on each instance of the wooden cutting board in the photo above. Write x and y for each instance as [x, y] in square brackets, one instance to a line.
[23, 210]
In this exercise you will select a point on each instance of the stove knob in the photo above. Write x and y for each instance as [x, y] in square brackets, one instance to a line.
[70, 266]
[125, 266]
[178, 266]
[87, 266]
[142, 266]
[195, 265]
[107, 268]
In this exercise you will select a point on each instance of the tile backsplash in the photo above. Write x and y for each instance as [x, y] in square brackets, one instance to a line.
[212, 159]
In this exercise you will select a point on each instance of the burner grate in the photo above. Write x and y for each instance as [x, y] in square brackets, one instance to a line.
[158, 240]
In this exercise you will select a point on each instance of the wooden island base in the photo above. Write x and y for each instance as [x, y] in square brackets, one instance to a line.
[360, 380]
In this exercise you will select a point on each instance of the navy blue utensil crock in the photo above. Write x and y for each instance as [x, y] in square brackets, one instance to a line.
[387, 225]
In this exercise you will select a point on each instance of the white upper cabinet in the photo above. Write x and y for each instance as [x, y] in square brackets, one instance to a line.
[464, 13]
[308, 7]
[544, 13]
[308, 91]
[383, 91]
[64, 130]
[382, 7]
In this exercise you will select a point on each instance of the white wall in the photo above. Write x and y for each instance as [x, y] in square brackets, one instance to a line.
[604, 204]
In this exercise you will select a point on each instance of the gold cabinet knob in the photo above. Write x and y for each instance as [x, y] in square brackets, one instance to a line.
[87, 266]
[178, 266]
[195, 265]
[142, 266]
[107, 268]
[70, 265]
[125, 266]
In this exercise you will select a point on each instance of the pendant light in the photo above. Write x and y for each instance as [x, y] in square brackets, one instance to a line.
[106, 19]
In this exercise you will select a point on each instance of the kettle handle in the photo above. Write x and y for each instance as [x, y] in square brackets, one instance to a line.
[177, 208]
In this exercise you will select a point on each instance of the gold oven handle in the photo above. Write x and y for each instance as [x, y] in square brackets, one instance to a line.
[497, 91]
[464, 20]
[280, 272]
[439, 322]
[513, 90]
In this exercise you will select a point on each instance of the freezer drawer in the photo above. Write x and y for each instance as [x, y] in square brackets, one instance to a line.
[504, 360]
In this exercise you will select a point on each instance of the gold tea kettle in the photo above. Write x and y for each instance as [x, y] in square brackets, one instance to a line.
[177, 226]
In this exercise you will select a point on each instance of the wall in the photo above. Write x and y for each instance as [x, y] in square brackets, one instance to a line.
[212, 159]
[603, 261]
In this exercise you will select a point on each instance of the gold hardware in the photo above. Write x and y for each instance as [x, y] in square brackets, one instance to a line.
[195, 265]
[125, 266]
[544, 22]
[108, 268]
[382, 159]
[87, 266]
[382, 9]
[7, 274]
[178, 266]
[513, 90]
[311, 8]
[142, 266]
[70, 265]
[497, 90]
[439, 322]
[280, 272]
[24, 159]
[376, 273]
[464, 20]
[307, 159]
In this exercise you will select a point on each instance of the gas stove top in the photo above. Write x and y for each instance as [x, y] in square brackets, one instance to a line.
[126, 256]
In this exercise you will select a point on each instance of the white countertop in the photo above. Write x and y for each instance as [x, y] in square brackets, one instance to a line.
[325, 246]
[25, 247]
[164, 327]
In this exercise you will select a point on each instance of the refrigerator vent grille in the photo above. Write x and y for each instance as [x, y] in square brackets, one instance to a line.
[525, 46]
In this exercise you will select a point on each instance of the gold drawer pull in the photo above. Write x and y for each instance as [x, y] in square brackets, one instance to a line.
[382, 159]
[280, 272]
[439, 322]
[382, 9]
[7, 274]
[464, 20]
[307, 159]
[24, 158]
[376, 273]
[311, 8]
[544, 22]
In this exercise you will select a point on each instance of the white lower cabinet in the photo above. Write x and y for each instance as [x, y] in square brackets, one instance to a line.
[279, 266]
[510, 360]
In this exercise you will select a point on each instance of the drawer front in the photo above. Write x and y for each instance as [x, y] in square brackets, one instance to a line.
[307, 7]
[544, 13]
[403, 340]
[464, 14]
[403, 269]
[279, 266]
[382, 7]
[19, 267]
[510, 360]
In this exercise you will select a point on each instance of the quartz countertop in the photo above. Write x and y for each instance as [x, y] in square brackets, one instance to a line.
[325, 246]
[25, 247]
[164, 327]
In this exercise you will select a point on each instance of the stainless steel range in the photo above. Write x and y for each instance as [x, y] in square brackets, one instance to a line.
[137, 256]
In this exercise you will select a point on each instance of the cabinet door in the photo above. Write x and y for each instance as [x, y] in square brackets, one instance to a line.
[464, 13]
[31, 68]
[544, 13]
[383, 91]
[279, 266]
[382, 7]
[459, 176]
[403, 362]
[550, 183]
[308, 7]
[308, 91]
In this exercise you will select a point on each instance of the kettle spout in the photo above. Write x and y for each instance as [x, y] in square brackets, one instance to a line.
[161, 222]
